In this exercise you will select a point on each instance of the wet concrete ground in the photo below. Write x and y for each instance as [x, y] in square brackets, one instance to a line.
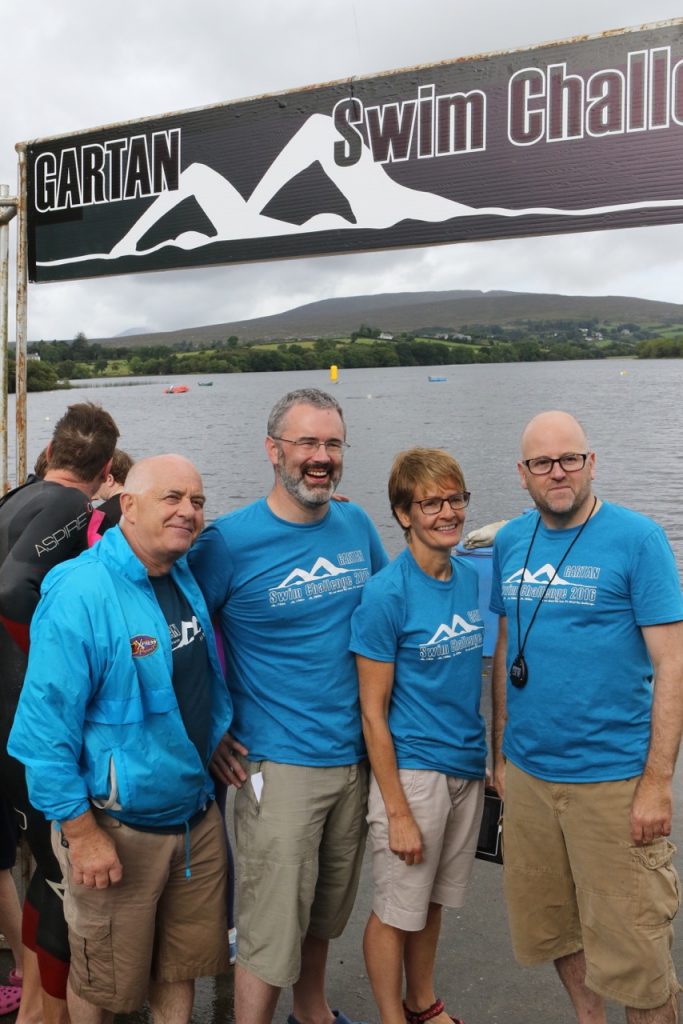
[476, 974]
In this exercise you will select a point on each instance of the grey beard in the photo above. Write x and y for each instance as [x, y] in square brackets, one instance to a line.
[307, 496]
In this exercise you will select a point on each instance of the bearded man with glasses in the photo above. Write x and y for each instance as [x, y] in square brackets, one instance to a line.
[283, 576]
[587, 721]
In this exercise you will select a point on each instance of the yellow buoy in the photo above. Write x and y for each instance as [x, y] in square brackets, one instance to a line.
[333, 374]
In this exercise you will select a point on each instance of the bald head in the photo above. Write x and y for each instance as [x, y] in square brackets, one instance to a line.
[162, 509]
[562, 467]
[147, 473]
[550, 429]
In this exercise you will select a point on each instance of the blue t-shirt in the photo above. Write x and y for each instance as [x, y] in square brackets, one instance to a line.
[584, 714]
[284, 594]
[433, 633]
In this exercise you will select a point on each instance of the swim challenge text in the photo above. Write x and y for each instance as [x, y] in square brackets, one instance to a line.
[553, 104]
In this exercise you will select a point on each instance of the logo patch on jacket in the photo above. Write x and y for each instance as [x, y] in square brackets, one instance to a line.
[141, 646]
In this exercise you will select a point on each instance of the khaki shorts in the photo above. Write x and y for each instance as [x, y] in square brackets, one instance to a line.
[299, 854]
[574, 880]
[156, 922]
[448, 813]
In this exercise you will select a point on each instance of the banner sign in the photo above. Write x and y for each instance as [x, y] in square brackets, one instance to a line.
[574, 136]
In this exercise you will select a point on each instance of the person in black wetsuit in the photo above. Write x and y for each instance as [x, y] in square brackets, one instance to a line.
[43, 523]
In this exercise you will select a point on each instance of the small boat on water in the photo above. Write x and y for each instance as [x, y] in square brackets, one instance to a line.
[435, 380]
[176, 389]
[205, 383]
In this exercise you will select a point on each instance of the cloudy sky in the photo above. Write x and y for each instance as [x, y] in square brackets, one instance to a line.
[79, 64]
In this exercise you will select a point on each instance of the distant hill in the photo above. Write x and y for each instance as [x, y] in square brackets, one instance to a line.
[417, 311]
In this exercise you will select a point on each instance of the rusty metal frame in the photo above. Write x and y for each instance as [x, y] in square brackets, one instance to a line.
[11, 206]
[8, 210]
[21, 315]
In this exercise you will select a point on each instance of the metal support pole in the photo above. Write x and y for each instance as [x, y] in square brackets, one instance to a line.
[22, 315]
[8, 209]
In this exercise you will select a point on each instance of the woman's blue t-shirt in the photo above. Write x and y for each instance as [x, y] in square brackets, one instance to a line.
[433, 633]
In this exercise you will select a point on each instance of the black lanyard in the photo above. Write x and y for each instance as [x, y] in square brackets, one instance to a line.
[519, 673]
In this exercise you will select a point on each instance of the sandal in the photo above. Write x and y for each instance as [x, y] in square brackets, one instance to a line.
[421, 1016]
[10, 997]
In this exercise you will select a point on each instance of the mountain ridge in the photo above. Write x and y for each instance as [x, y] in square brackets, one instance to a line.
[414, 311]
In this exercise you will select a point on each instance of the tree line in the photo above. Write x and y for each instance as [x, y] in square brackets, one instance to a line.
[61, 361]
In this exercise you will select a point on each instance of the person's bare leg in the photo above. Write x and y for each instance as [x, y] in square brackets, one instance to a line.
[255, 1000]
[31, 1008]
[171, 1001]
[309, 1004]
[589, 1007]
[82, 1012]
[55, 1011]
[384, 948]
[10, 918]
[419, 960]
[666, 1014]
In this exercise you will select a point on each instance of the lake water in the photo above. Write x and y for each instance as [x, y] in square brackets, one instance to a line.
[631, 411]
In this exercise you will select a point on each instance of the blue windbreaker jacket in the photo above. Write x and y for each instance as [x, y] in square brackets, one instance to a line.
[98, 721]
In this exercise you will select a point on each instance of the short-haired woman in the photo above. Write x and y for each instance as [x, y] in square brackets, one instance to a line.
[418, 639]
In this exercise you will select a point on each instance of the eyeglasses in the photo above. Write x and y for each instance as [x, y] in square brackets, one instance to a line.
[432, 506]
[570, 463]
[310, 445]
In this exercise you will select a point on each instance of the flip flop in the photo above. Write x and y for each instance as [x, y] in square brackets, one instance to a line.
[10, 997]
[421, 1016]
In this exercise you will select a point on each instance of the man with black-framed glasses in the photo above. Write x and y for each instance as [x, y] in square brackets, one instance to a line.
[587, 721]
[283, 577]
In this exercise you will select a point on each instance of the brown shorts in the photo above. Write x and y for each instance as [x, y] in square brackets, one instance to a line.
[574, 880]
[299, 854]
[156, 923]
[448, 813]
